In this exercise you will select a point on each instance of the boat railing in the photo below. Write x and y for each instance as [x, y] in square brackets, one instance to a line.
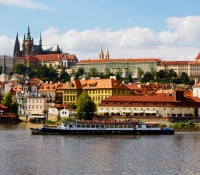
[106, 122]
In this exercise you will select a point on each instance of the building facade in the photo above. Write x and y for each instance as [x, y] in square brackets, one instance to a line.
[178, 104]
[6, 62]
[123, 66]
[97, 89]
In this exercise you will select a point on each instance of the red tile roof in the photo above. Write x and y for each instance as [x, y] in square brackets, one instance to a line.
[120, 60]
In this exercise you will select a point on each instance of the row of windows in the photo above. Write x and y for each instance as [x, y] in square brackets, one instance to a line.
[69, 98]
[104, 126]
[35, 107]
[139, 109]
[35, 101]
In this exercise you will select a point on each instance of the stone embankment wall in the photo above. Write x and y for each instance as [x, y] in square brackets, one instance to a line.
[163, 120]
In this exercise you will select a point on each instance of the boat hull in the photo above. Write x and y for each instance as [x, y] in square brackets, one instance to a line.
[56, 131]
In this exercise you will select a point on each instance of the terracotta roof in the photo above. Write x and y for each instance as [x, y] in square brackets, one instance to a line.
[198, 57]
[97, 84]
[120, 60]
[153, 100]
[133, 86]
[173, 63]
[47, 86]
[197, 85]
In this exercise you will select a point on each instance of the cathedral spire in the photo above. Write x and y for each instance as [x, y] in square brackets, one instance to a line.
[101, 54]
[107, 54]
[28, 36]
[16, 47]
[40, 42]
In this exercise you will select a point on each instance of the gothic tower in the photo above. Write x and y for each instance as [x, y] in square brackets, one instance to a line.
[101, 54]
[107, 55]
[27, 44]
[16, 52]
[40, 43]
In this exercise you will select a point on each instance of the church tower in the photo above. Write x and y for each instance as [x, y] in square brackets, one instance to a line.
[16, 52]
[4, 76]
[40, 43]
[101, 54]
[107, 55]
[27, 44]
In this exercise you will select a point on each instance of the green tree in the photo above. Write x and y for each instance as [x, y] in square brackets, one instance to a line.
[140, 72]
[80, 70]
[20, 68]
[160, 74]
[85, 107]
[64, 75]
[117, 76]
[172, 73]
[130, 79]
[147, 77]
[185, 78]
[73, 105]
[8, 102]
[93, 72]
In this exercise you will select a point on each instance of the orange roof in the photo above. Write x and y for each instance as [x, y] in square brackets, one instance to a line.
[197, 85]
[173, 63]
[133, 86]
[47, 86]
[198, 57]
[52, 57]
[120, 60]
[153, 100]
[97, 84]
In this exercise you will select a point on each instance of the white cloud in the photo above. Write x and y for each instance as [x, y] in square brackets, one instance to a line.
[6, 45]
[187, 28]
[179, 42]
[27, 4]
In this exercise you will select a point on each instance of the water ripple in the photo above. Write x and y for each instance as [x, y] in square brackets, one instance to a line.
[23, 153]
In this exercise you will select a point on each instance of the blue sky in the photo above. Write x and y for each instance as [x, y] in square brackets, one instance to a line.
[129, 28]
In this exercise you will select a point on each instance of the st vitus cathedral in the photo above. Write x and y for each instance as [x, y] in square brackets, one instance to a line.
[29, 48]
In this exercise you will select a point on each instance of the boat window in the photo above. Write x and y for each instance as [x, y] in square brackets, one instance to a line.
[70, 126]
[116, 126]
[130, 126]
[125, 126]
[87, 126]
[92, 126]
[111, 126]
[78, 126]
[83, 126]
[102, 126]
[139, 126]
[107, 126]
[97, 126]
[120, 126]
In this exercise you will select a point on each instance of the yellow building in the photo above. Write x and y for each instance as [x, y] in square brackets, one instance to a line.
[97, 89]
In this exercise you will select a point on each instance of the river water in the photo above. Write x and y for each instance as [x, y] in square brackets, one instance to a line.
[26, 154]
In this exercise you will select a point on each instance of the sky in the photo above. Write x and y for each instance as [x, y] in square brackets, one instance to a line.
[128, 28]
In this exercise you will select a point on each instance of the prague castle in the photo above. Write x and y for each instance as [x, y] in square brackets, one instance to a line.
[35, 55]
[29, 48]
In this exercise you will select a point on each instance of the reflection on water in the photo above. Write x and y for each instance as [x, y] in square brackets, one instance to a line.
[23, 153]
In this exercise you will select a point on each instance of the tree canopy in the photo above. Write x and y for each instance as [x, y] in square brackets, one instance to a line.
[185, 78]
[85, 107]
[8, 102]
[20, 68]
[147, 77]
